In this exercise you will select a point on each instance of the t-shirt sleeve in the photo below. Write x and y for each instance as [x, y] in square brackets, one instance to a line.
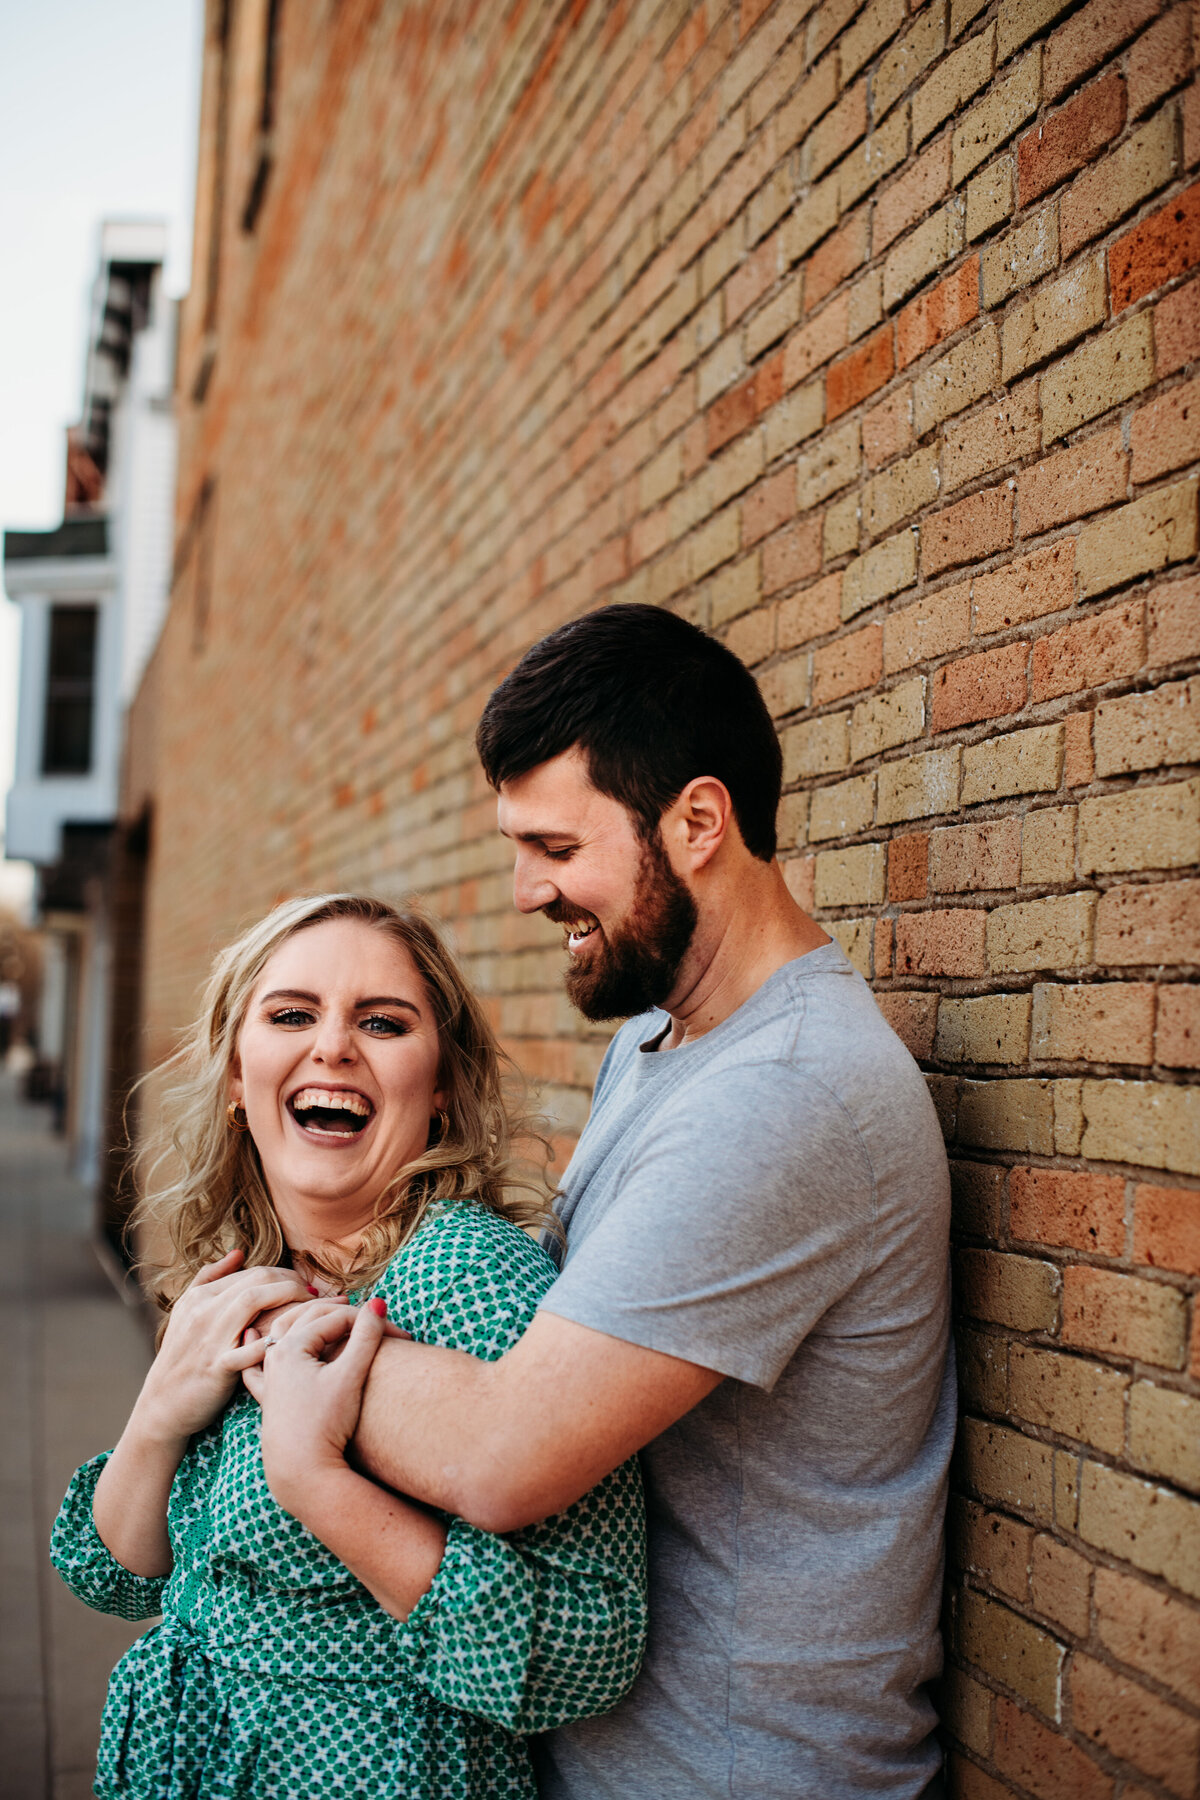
[734, 1227]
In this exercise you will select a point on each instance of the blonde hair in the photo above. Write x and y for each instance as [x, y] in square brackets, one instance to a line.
[202, 1183]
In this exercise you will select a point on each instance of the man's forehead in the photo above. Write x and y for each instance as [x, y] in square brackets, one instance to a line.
[553, 799]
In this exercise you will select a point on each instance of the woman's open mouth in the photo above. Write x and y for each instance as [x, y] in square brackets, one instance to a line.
[331, 1112]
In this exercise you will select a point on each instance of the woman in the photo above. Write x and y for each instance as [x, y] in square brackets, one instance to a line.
[341, 1126]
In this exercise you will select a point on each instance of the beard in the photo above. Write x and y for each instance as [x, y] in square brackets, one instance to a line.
[636, 966]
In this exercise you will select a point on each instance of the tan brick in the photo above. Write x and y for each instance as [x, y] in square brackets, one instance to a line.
[1103, 372]
[1011, 1649]
[1070, 1207]
[1024, 762]
[917, 787]
[908, 57]
[969, 1705]
[990, 198]
[887, 428]
[903, 490]
[791, 821]
[928, 628]
[1149, 924]
[1101, 195]
[771, 322]
[1042, 934]
[1019, 20]
[1073, 482]
[967, 531]
[1068, 1116]
[851, 877]
[816, 747]
[975, 858]
[1166, 434]
[1060, 1583]
[848, 664]
[1089, 39]
[929, 247]
[1129, 1722]
[1043, 1762]
[1103, 1022]
[985, 686]
[990, 1545]
[887, 719]
[833, 136]
[785, 687]
[882, 570]
[715, 542]
[1173, 621]
[940, 943]
[983, 1367]
[854, 936]
[1147, 828]
[990, 123]
[1053, 317]
[1082, 1400]
[1008, 1468]
[794, 554]
[810, 614]
[1150, 1631]
[1164, 1433]
[736, 588]
[1027, 588]
[1089, 652]
[814, 217]
[910, 196]
[1177, 1039]
[1144, 1122]
[1142, 1524]
[816, 342]
[1079, 766]
[964, 375]
[976, 1198]
[1122, 1315]
[796, 417]
[956, 79]
[991, 1029]
[987, 440]
[841, 525]
[842, 810]
[876, 156]
[1048, 846]
[1008, 1115]
[829, 466]
[1024, 255]
[913, 1017]
[1146, 731]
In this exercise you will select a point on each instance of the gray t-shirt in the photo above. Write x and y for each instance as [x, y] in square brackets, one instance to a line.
[772, 1201]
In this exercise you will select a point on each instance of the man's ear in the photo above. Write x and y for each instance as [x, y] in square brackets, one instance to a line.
[699, 820]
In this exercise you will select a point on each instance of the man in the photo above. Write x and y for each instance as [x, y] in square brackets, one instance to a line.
[754, 1289]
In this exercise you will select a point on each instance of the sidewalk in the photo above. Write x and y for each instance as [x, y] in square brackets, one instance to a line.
[76, 1356]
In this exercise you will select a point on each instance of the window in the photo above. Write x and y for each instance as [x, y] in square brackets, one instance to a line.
[70, 691]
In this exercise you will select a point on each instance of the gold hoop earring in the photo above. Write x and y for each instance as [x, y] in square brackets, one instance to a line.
[236, 1116]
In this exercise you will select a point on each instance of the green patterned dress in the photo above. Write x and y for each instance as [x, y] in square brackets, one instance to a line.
[275, 1675]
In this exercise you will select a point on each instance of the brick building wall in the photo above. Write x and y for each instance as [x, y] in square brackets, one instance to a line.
[867, 337]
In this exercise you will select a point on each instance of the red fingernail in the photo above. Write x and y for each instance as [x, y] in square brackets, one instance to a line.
[379, 1307]
[312, 1290]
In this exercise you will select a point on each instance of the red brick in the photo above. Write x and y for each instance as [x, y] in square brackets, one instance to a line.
[768, 382]
[730, 414]
[882, 964]
[1027, 588]
[1119, 1315]
[1150, 1631]
[1042, 1761]
[911, 194]
[1130, 1722]
[1074, 482]
[942, 943]
[973, 529]
[1166, 1228]
[931, 317]
[1160, 60]
[908, 866]
[800, 873]
[1079, 760]
[859, 374]
[1162, 246]
[1177, 1035]
[1089, 39]
[1166, 434]
[986, 686]
[1090, 652]
[1068, 1208]
[1070, 137]
[848, 665]
[752, 279]
[838, 257]
[969, 1782]
[816, 611]
[887, 428]
[1177, 329]
[1138, 926]
[794, 554]
[768, 506]
[970, 859]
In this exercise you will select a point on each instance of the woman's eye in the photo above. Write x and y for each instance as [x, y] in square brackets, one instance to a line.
[381, 1025]
[291, 1015]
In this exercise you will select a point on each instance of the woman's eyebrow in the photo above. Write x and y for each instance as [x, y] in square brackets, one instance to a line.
[359, 1005]
[389, 1000]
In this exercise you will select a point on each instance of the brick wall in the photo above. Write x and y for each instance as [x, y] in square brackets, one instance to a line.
[868, 338]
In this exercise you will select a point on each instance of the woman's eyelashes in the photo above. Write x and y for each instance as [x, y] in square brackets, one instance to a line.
[297, 1018]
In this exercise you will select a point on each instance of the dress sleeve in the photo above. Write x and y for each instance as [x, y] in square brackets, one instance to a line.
[546, 1624]
[85, 1562]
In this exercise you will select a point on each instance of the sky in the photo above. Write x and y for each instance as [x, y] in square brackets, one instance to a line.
[98, 105]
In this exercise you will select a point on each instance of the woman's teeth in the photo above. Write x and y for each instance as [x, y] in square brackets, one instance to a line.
[334, 1113]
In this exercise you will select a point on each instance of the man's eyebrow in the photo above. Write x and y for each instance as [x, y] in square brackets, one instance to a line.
[359, 1005]
[539, 837]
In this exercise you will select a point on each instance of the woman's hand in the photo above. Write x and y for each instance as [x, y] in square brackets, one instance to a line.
[310, 1387]
[203, 1352]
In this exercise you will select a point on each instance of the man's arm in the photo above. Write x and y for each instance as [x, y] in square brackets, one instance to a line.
[504, 1444]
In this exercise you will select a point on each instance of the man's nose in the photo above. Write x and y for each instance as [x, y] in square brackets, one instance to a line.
[532, 888]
